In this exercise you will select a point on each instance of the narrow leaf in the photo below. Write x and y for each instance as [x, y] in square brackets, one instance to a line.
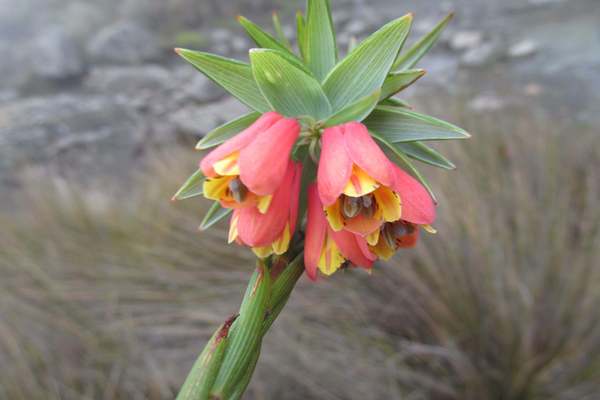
[279, 30]
[426, 154]
[234, 76]
[398, 81]
[301, 28]
[394, 102]
[366, 67]
[226, 131]
[398, 125]
[191, 188]
[215, 214]
[320, 45]
[356, 111]
[403, 162]
[287, 88]
[412, 56]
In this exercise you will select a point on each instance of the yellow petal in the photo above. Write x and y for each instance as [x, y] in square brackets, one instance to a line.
[334, 216]
[382, 250]
[331, 259]
[233, 229]
[282, 244]
[373, 237]
[263, 203]
[263, 252]
[360, 183]
[389, 203]
[216, 188]
[228, 166]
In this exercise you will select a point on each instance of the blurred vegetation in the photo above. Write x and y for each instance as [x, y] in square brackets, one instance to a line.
[111, 295]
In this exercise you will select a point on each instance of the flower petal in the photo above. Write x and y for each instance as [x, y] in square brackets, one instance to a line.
[316, 229]
[331, 258]
[263, 162]
[360, 183]
[365, 153]
[334, 216]
[350, 248]
[237, 142]
[389, 203]
[335, 166]
[362, 225]
[408, 240]
[417, 205]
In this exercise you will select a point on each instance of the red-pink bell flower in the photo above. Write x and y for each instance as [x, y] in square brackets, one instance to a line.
[418, 210]
[272, 231]
[357, 183]
[326, 249]
[247, 169]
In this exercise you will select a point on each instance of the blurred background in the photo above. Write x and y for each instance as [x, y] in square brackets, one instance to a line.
[108, 291]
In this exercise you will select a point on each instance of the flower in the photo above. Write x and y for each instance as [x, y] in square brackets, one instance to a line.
[326, 249]
[355, 181]
[418, 210]
[247, 169]
[270, 232]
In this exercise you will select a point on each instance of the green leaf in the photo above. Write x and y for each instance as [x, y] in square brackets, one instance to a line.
[411, 57]
[234, 76]
[356, 111]
[215, 214]
[301, 29]
[288, 89]
[403, 162]
[366, 67]
[201, 378]
[280, 34]
[227, 131]
[394, 102]
[320, 46]
[246, 334]
[398, 81]
[426, 154]
[398, 125]
[191, 188]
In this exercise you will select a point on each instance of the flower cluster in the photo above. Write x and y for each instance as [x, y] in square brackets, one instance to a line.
[361, 207]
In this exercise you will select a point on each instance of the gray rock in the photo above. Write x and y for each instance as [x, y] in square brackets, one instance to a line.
[124, 43]
[197, 121]
[522, 49]
[190, 85]
[483, 55]
[486, 103]
[465, 40]
[129, 80]
[85, 135]
[56, 56]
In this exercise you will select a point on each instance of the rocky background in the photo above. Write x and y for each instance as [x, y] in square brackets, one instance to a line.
[88, 87]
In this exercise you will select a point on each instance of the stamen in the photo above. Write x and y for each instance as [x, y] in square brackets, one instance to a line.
[351, 206]
[368, 205]
[238, 190]
[387, 233]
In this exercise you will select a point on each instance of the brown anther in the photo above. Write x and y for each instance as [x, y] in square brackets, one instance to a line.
[387, 233]
[238, 190]
[351, 206]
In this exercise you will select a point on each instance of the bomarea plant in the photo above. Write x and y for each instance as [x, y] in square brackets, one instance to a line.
[318, 177]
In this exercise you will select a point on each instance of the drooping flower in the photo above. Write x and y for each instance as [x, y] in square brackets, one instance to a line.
[270, 232]
[356, 180]
[418, 210]
[247, 169]
[326, 249]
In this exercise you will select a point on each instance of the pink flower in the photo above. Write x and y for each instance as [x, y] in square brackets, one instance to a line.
[361, 189]
[326, 249]
[247, 169]
[270, 232]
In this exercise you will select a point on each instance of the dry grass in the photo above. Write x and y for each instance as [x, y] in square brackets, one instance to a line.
[111, 297]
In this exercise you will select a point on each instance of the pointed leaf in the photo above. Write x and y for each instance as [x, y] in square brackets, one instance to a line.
[403, 161]
[356, 111]
[280, 34]
[398, 81]
[320, 45]
[394, 102]
[301, 28]
[365, 69]
[191, 188]
[398, 125]
[227, 131]
[234, 76]
[288, 89]
[215, 214]
[426, 154]
[413, 55]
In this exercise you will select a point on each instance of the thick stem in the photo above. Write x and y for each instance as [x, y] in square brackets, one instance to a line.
[226, 376]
